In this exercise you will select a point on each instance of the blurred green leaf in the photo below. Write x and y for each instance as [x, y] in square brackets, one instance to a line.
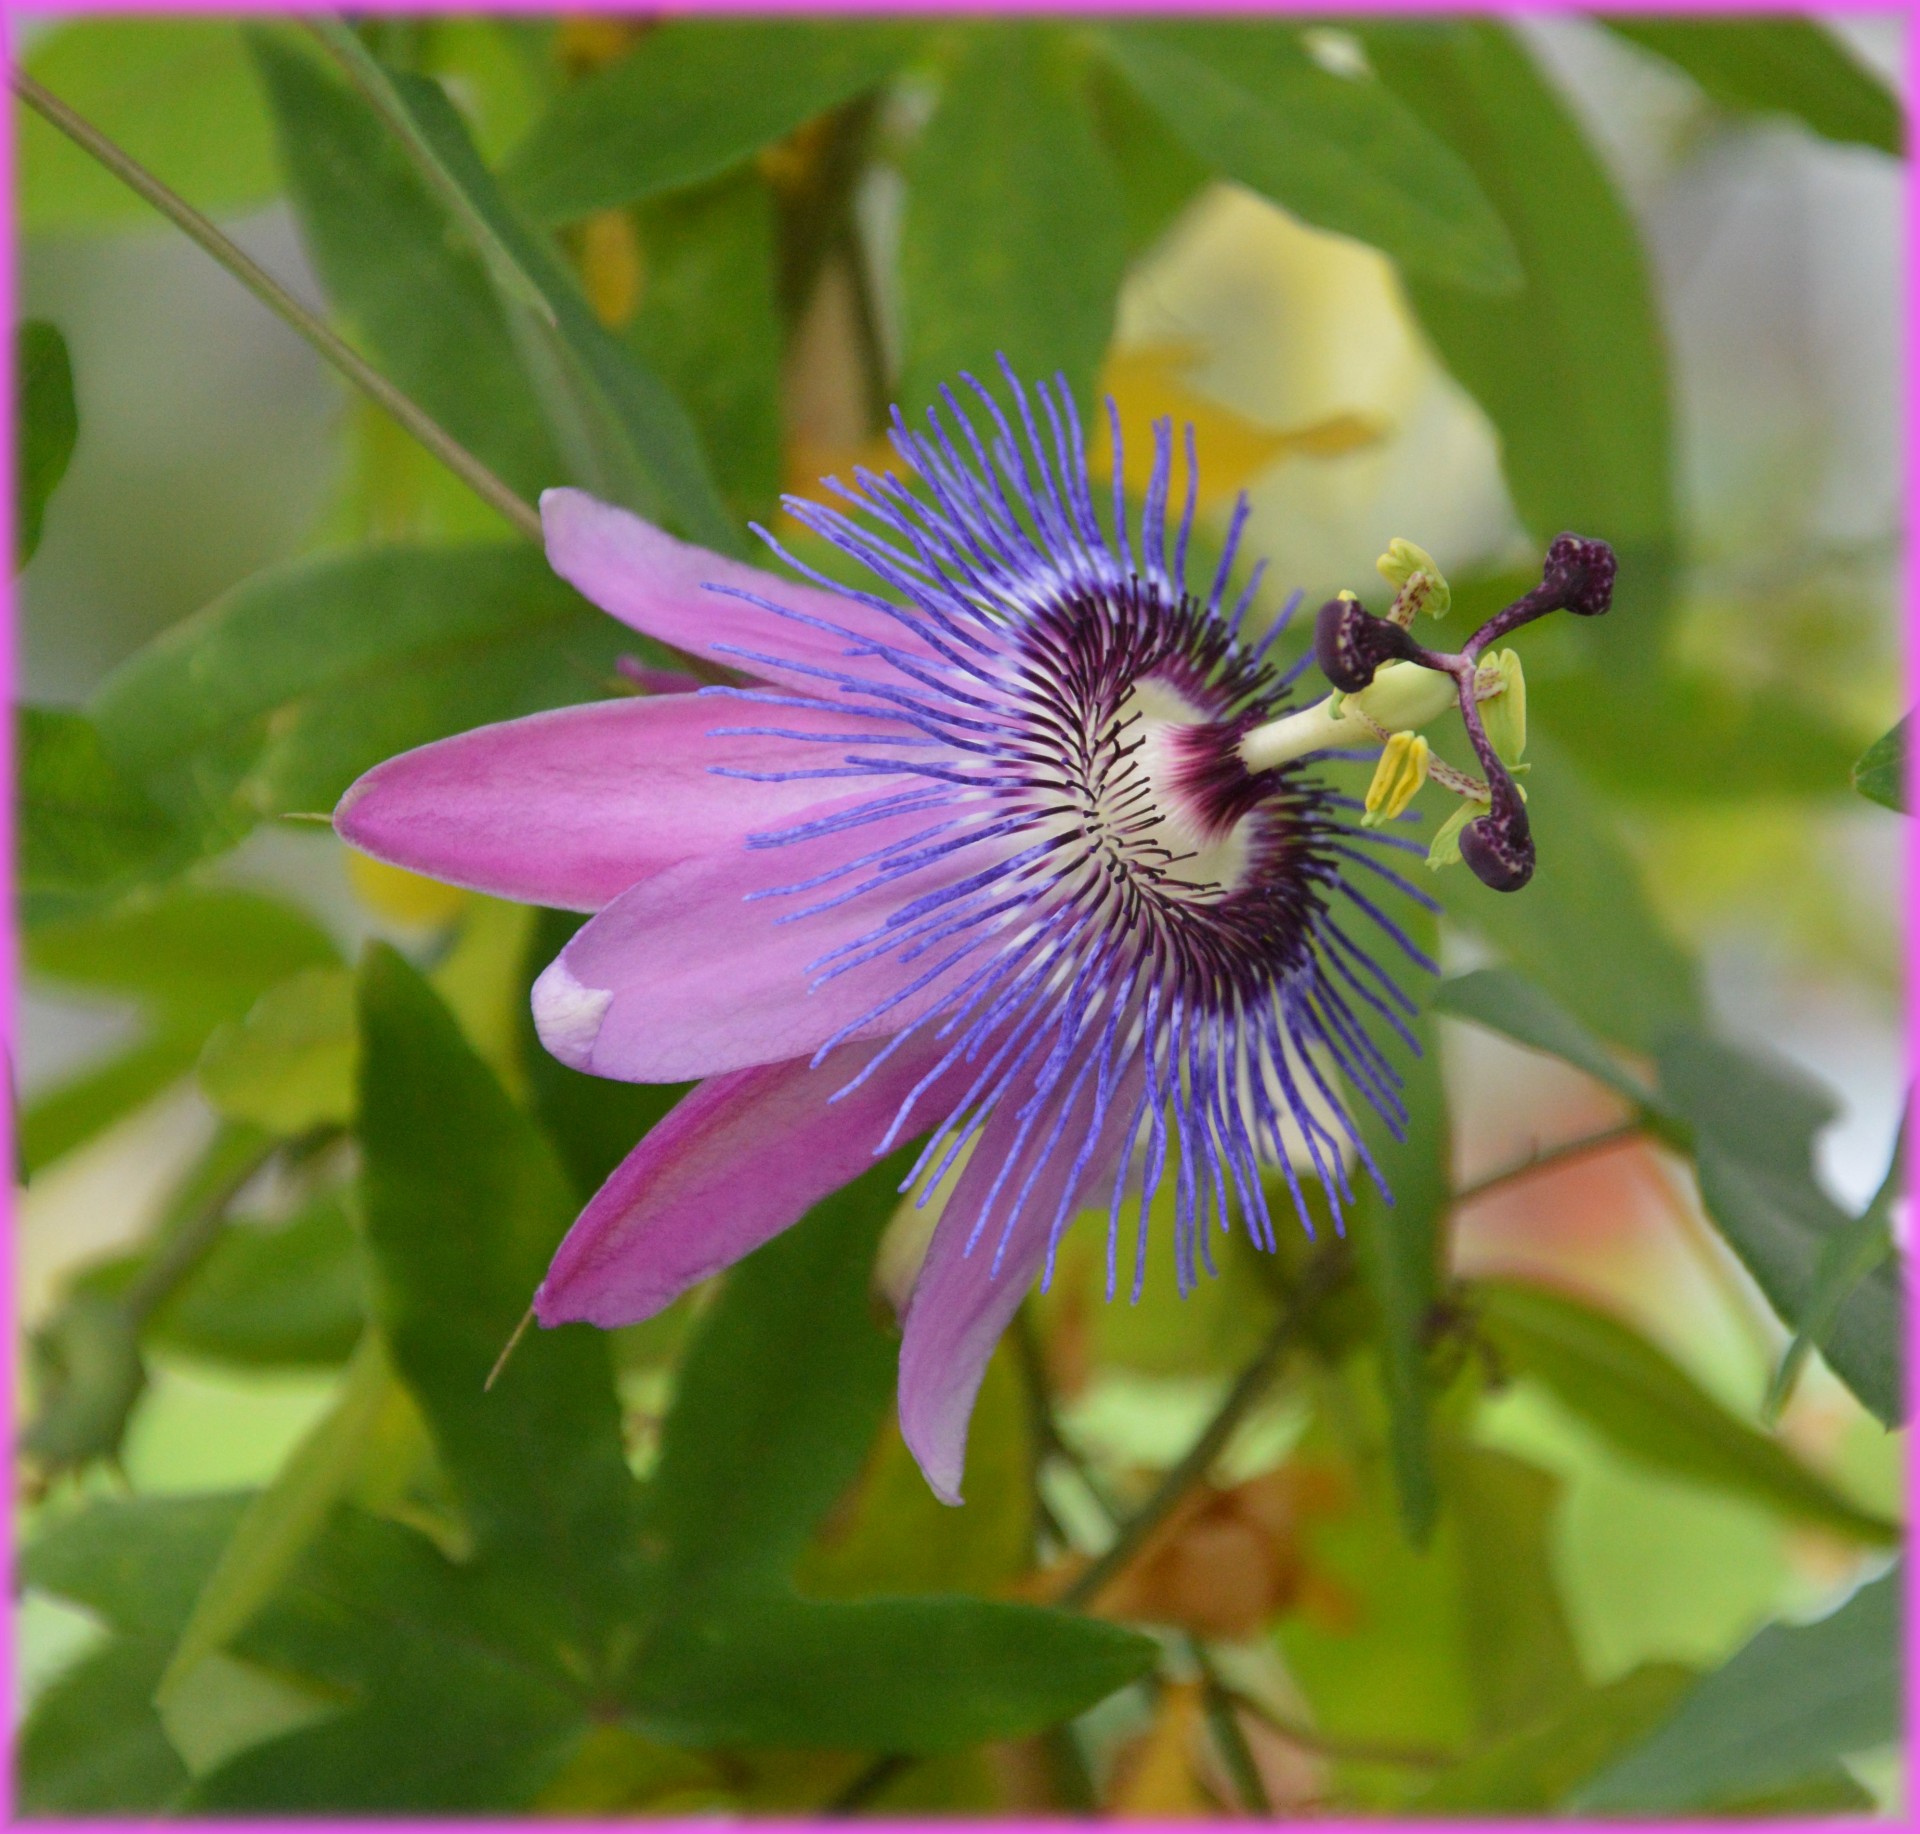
[289, 1064]
[1397, 1245]
[1688, 738]
[1777, 66]
[397, 269]
[893, 1535]
[191, 958]
[1512, 1005]
[454, 1697]
[277, 696]
[87, 1376]
[92, 1743]
[273, 1295]
[991, 261]
[709, 323]
[1847, 1258]
[1520, 1655]
[1572, 368]
[906, 1675]
[55, 1123]
[463, 1204]
[88, 834]
[749, 1460]
[1783, 1709]
[1753, 1122]
[1644, 1403]
[1879, 773]
[1582, 928]
[279, 1524]
[620, 428]
[691, 99]
[1157, 174]
[186, 953]
[177, 94]
[1339, 151]
[1535, 1770]
[47, 425]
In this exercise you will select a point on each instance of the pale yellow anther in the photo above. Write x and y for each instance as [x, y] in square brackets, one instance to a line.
[1418, 584]
[1501, 689]
[1396, 778]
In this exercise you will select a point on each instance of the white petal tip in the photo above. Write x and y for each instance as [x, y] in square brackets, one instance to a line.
[568, 1015]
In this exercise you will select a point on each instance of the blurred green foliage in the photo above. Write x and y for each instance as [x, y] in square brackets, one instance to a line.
[690, 1566]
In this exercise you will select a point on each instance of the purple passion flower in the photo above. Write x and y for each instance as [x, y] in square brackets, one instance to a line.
[973, 856]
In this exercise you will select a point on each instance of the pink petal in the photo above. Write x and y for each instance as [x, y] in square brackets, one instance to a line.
[570, 808]
[960, 1304]
[738, 1160]
[647, 579]
[684, 977]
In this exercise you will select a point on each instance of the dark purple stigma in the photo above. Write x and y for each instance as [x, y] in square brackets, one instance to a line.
[1498, 848]
[1350, 644]
[1580, 575]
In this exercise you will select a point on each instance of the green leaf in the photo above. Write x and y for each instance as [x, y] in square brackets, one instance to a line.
[273, 1295]
[622, 431]
[1398, 1247]
[176, 94]
[463, 1204]
[1508, 1003]
[1777, 67]
[778, 1398]
[1782, 1710]
[88, 834]
[1753, 1122]
[1644, 1403]
[1572, 368]
[1519, 1649]
[397, 269]
[709, 323]
[691, 99]
[279, 1524]
[54, 1124]
[1535, 1770]
[289, 1064]
[1583, 928]
[454, 1699]
[1690, 738]
[1339, 151]
[92, 1743]
[1158, 176]
[1880, 772]
[1847, 1258]
[991, 261]
[187, 953]
[917, 1676]
[277, 696]
[48, 425]
[137, 1562]
[192, 958]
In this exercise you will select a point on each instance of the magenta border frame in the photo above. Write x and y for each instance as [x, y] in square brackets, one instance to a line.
[1909, 387]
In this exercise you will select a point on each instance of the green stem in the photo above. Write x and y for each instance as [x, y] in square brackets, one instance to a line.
[1554, 1155]
[1323, 1273]
[1217, 1701]
[436, 439]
